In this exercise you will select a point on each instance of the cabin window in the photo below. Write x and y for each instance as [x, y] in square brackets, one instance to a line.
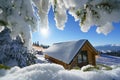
[82, 57]
[79, 58]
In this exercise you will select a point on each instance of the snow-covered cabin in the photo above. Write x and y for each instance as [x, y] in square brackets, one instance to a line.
[72, 54]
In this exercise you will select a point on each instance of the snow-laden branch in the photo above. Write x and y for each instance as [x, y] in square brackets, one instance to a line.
[100, 13]
[23, 16]
[18, 15]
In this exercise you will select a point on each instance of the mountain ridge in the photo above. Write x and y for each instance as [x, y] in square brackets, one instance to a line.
[108, 47]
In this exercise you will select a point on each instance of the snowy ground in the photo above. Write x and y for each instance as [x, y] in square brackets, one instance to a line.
[108, 60]
[49, 71]
[56, 72]
[40, 58]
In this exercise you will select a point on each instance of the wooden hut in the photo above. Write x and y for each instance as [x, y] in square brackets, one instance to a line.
[72, 54]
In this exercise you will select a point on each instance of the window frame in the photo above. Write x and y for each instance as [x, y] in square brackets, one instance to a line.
[83, 54]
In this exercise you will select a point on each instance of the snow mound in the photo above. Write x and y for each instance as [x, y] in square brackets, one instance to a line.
[85, 67]
[34, 72]
[57, 72]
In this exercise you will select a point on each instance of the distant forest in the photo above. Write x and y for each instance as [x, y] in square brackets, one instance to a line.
[40, 45]
[113, 53]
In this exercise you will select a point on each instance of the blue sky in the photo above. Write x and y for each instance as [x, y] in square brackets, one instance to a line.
[72, 32]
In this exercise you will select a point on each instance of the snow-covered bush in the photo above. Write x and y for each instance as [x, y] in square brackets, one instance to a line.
[96, 68]
[12, 52]
[89, 68]
[104, 67]
[4, 67]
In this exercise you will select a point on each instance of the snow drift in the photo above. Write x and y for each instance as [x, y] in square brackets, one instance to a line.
[56, 72]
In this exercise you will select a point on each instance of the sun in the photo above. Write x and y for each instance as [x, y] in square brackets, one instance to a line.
[44, 32]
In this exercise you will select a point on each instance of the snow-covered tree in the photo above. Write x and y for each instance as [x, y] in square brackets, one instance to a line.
[12, 52]
[24, 16]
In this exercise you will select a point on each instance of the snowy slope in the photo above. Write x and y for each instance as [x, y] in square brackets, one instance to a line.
[108, 60]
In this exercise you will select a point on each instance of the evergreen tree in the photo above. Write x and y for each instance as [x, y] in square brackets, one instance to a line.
[14, 51]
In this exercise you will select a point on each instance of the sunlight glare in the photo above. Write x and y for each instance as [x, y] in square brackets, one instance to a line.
[44, 32]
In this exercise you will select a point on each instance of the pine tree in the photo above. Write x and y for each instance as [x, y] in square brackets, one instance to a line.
[14, 51]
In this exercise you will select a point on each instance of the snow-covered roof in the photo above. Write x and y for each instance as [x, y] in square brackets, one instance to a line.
[65, 51]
